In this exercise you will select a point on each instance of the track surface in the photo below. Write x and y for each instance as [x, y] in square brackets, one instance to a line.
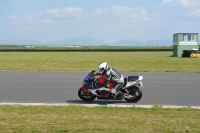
[60, 87]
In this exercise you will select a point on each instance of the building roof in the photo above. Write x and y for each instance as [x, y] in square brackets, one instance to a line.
[186, 33]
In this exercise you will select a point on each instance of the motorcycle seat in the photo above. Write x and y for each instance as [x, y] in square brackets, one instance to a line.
[133, 78]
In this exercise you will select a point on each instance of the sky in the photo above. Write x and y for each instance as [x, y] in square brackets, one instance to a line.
[106, 20]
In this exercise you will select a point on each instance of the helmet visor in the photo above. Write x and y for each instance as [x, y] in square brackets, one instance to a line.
[101, 70]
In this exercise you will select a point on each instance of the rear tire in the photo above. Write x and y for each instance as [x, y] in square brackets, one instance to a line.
[87, 97]
[136, 92]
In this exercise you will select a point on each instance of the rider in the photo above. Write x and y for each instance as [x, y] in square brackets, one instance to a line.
[113, 75]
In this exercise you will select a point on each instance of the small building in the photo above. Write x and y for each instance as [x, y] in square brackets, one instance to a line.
[30, 46]
[184, 41]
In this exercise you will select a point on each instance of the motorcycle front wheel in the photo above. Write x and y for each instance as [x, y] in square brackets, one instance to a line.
[136, 92]
[87, 97]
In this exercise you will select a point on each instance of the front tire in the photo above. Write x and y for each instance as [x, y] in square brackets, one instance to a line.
[136, 92]
[87, 97]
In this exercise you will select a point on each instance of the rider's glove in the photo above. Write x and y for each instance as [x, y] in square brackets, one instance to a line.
[96, 74]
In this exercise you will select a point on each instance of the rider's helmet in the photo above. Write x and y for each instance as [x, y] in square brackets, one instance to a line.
[103, 67]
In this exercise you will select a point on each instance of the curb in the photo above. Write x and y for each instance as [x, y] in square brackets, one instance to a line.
[35, 104]
[99, 105]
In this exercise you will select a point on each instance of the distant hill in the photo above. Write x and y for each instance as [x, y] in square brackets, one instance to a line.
[81, 41]
[159, 42]
[85, 41]
[129, 42]
[19, 42]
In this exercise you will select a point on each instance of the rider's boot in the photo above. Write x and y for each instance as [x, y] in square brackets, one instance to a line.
[118, 93]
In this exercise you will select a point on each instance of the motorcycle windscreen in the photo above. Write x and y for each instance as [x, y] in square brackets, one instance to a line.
[89, 77]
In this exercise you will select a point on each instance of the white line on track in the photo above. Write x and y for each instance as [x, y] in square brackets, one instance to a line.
[98, 105]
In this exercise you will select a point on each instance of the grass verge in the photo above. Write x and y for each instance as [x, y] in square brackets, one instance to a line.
[86, 61]
[58, 119]
[23, 48]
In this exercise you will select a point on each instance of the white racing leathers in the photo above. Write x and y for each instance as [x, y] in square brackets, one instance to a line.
[115, 76]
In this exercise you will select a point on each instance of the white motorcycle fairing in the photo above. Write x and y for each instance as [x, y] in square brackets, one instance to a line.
[129, 81]
[134, 80]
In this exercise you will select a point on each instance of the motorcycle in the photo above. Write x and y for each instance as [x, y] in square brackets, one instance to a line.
[96, 86]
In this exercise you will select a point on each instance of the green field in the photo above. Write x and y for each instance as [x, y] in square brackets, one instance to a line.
[45, 119]
[83, 48]
[86, 61]
[69, 119]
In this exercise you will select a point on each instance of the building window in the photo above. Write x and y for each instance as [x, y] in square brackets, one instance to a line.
[185, 38]
[189, 38]
[175, 38]
[193, 37]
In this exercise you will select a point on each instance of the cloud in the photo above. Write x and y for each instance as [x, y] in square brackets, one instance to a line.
[166, 2]
[184, 3]
[144, 15]
[45, 18]
[65, 12]
[195, 13]
[13, 17]
[123, 12]
[46, 21]
[187, 7]
[100, 11]
[33, 28]
[28, 20]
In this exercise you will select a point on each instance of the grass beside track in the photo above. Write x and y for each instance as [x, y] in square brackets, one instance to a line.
[40, 48]
[86, 61]
[68, 119]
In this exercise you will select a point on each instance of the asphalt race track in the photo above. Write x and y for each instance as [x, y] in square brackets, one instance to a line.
[181, 89]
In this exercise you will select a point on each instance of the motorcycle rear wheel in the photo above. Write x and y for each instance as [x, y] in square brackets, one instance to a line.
[136, 92]
[87, 97]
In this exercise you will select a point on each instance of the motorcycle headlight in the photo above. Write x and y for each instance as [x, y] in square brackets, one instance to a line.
[83, 83]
